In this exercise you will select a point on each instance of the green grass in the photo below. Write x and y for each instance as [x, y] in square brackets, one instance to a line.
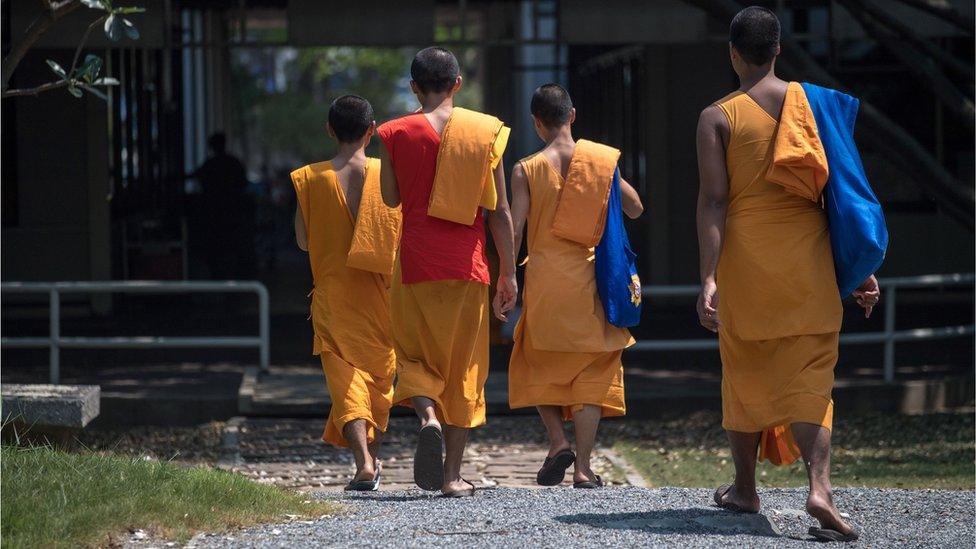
[58, 499]
[885, 451]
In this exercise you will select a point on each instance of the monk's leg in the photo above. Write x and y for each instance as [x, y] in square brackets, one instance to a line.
[814, 443]
[745, 450]
[455, 439]
[355, 433]
[374, 448]
[424, 407]
[552, 418]
[586, 421]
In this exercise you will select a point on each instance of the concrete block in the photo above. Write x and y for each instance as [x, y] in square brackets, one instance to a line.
[57, 406]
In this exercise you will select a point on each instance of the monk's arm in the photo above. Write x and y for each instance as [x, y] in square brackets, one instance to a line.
[713, 197]
[301, 235]
[520, 204]
[502, 234]
[629, 200]
[388, 182]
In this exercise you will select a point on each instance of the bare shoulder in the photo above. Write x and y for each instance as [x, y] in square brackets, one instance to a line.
[713, 117]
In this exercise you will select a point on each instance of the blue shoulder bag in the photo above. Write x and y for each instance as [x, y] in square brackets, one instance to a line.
[858, 235]
[616, 266]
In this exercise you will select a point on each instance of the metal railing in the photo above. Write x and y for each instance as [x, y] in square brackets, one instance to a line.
[889, 297]
[55, 341]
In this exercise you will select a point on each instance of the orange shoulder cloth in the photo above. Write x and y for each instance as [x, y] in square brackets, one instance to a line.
[799, 162]
[377, 233]
[581, 212]
[472, 144]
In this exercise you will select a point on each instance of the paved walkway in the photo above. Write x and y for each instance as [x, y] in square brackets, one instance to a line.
[612, 517]
[290, 454]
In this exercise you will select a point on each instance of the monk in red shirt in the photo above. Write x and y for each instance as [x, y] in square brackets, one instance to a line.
[443, 167]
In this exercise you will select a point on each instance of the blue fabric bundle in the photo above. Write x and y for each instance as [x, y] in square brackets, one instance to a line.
[858, 234]
[616, 266]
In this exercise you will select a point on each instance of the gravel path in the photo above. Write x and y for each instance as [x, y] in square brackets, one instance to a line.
[613, 517]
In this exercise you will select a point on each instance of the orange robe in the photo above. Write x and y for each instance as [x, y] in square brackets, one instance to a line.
[566, 353]
[441, 326]
[350, 306]
[779, 304]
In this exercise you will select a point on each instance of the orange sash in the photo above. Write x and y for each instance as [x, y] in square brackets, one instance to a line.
[799, 162]
[471, 147]
[581, 213]
[376, 236]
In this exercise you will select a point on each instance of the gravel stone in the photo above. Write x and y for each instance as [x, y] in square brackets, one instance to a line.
[612, 517]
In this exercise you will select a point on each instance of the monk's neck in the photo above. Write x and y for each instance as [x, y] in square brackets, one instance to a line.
[349, 153]
[561, 138]
[750, 78]
[437, 103]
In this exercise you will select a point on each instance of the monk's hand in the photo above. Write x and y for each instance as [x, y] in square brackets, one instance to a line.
[868, 294]
[505, 296]
[708, 306]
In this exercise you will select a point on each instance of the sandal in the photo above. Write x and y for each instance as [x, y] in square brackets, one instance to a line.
[589, 484]
[553, 469]
[428, 461]
[365, 485]
[829, 534]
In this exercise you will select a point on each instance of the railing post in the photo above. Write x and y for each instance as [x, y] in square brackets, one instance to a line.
[889, 331]
[54, 366]
[264, 327]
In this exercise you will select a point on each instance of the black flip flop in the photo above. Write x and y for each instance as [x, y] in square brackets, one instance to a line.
[589, 484]
[428, 460]
[366, 485]
[466, 493]
[728, 505]
[553, 469]
[829, 534]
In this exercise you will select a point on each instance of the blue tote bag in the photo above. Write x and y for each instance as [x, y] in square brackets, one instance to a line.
[858, 235]
[616, 266]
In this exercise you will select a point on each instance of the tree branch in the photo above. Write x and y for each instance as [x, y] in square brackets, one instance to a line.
[81, 45]
[20, 92]
[55, 11]
[945, 11]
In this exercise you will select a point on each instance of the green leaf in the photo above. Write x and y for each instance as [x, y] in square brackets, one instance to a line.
[127, 11]
[58, 70]
[89, 69]
[130, 30]
[114, 28]
[106, 81]
[73, 90]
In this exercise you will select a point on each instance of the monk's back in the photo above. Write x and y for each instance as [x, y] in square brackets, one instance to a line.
[563, 306]
[776, 271]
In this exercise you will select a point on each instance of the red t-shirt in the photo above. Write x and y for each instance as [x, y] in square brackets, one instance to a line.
[430, 248]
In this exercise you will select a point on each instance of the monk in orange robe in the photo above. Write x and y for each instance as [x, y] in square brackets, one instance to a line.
[351, 237]
[766, 250]
[567, 358]
[443, 165]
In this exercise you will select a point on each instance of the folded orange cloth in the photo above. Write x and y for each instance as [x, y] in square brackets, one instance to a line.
[581, 213]
[778, 446]
[799, 162]
[471, 147]
[376, 236]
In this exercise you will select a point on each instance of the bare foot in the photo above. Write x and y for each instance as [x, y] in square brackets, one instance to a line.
[456, 485]
[740, 498]
[368, 472]
[821, 506]
[581, 474]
